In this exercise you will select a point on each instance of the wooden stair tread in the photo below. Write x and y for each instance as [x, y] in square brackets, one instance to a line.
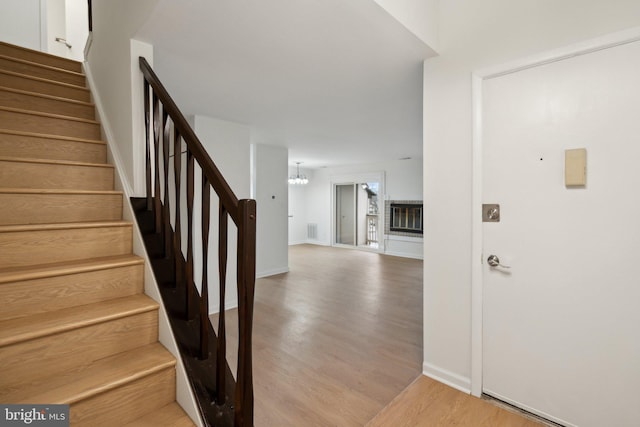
[44, 95]
[27, 328]
[45, 56]
[49, 115]
[51, 136]
[54, 350]
[169, 415]
[100, 376]
[62, 226]
[54, 162]
[37, 64]
[40, 79]
[15, 274]
[56, 191]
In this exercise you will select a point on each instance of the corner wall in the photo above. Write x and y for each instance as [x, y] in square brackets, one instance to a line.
[115, 23]
[270, 183]
[475, 35]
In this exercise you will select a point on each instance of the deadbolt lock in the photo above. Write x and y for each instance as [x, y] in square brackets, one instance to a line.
[491, 212]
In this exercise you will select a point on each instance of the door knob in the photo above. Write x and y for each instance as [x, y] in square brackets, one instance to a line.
[494, 261]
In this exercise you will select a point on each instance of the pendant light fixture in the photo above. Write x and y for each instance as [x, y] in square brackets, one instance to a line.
[297, 178]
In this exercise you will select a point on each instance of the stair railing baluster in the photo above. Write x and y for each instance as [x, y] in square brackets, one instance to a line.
[204, 293]
[157, 204]
[233, 397]
[147, 124]
[246, 288]
[221, 345]
[189, 285]
[177, 235]
[166, 141]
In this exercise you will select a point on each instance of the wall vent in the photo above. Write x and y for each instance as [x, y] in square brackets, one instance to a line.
[312, 231]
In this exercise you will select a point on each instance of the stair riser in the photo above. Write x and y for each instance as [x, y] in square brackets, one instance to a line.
[55, 176]
[45, 87]
[50, 125]
[28, 297]
[46, 105]
[42, 72]
[53, 354]
[126, 403]
[39, 57]
[26, 248]
[31, 147]
[29, 208]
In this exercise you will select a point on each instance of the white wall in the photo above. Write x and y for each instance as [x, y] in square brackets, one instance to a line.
[77, 22]
[270, 174]
[474, 35]
[110, 62]
[21, 23]
[228, 144]
[403, 181]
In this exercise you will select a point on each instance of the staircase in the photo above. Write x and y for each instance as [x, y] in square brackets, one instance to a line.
[75, 326]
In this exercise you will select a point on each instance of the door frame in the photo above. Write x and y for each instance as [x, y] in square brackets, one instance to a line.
[477, 78]
[355, 178]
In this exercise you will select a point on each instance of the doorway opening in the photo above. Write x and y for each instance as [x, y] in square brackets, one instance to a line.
[357, 215]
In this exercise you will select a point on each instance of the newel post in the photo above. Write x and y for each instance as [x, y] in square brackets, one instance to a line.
[246, 287]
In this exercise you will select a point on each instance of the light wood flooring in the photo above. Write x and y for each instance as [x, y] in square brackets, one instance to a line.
[428, 403]
[338, 338]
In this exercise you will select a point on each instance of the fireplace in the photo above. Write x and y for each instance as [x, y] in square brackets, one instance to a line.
[405, 217]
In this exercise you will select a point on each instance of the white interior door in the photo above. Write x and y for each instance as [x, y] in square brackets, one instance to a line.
[346, 214]
[56, 28]
[561, 327]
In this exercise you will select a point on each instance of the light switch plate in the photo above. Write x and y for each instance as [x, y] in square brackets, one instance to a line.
[575, 167]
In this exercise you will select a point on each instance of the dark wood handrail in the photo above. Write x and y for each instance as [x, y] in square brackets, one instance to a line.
[90, 17]
[166, 126]
[219, 184]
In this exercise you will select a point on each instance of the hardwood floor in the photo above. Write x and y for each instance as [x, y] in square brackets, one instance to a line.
[339, 337]
[428, 403]
[336, 338]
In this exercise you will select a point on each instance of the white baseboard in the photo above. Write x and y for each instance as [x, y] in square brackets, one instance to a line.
[404, 254]
[446, 377]
[297, 242]
[272, 272]
[317, 242]
[228, 305]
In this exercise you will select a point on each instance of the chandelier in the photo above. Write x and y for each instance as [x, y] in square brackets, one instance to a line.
[297, 178]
